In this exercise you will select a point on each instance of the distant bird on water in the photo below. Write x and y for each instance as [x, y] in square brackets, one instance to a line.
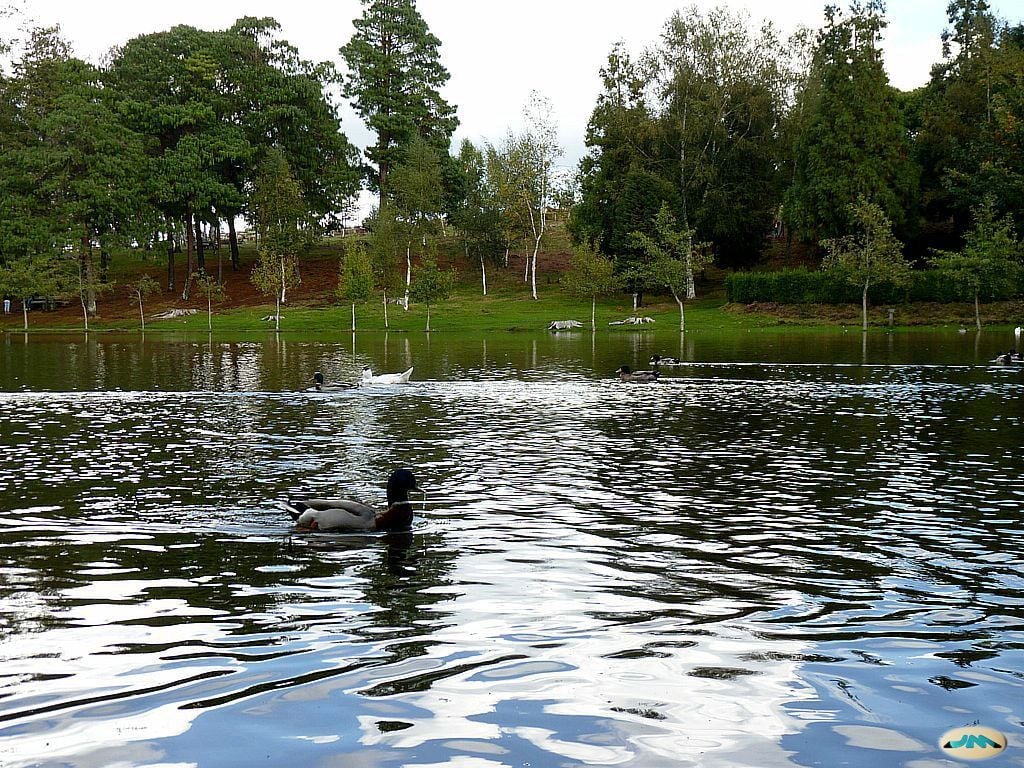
[349, 515]
[625, 374]
[657, 360]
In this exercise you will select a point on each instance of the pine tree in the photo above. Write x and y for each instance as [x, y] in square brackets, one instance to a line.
[394, 80]
[855, 143]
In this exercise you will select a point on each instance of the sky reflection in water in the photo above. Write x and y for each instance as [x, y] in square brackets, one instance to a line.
[765, 564]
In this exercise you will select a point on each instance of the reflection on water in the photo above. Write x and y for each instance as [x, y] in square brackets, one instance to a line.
[764, 559]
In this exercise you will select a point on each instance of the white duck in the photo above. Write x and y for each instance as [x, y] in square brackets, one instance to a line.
[384, 378]
[348, 515]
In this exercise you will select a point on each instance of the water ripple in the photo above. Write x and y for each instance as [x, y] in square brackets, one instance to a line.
[721, 569]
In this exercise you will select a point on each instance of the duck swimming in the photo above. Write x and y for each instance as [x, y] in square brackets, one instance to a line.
[657, 360]
[384, 378]
[348, 515]
[319, 386]
[625, 374]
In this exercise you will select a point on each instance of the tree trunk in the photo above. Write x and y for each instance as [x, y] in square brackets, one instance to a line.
[691, 291]
[142, 314]
[81, 297]
[682, 317]
[284, 283]
[864, 307]
[353, 317]
[408, 274]
[533, 270]
[593, 314]
[209, 312]
[236, 262]
[200, 247]
[104, 264]
[170, 253]
[277, 316]
[24, 312]
[189, 245]
[382, 178]
[85, 276]
[483, 273]
[977, 311]
[428, 317]
[385, 308]
[636, 302]
[215, 230]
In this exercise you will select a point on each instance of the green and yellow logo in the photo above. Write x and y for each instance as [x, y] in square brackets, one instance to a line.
[973, 742]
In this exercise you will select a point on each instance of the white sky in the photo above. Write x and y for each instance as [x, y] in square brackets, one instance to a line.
[496, 50]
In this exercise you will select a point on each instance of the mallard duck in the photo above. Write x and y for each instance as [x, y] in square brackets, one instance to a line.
[1010, 358]
[348, 515]
[384, 378]
[319, 386]
[625, 374]
[657, 360]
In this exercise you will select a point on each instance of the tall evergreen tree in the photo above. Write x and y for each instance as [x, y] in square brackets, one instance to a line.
[72, 167]
[969, 139]
[625, 177]
[855, 143]
[394, 80]
[168, 83]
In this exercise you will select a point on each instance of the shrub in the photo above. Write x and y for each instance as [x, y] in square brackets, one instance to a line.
[801, 286]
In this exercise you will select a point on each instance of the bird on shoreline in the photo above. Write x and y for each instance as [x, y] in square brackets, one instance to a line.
[384, 378]
[348, 515]
[625, 374]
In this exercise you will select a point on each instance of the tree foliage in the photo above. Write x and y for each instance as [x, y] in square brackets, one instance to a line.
[869, 255]
[394, 79]
[355, 275]
[721, 87]
[968, 122]
[139, 289]
[855, 143]
[590, 275]
[477, 215]
[432, 285]
[625, 177]
[989, 262]
[672, 258]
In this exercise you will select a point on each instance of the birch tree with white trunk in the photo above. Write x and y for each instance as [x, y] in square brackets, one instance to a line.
[530, 164]
[415, 187]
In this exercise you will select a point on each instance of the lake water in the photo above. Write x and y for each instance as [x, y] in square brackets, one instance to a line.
[800, 549]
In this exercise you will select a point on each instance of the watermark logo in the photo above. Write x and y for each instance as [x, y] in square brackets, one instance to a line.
[973, 742]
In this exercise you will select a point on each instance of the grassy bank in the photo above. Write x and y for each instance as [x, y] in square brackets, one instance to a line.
[312, 306]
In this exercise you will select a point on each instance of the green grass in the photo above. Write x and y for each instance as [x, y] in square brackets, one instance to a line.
[508, 307]
[499, 311]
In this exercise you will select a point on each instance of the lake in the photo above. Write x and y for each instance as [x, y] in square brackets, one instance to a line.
[799, 549]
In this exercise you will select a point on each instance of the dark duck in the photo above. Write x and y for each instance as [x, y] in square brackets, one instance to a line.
[348, 515]
[320, 386]
[625, 374]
